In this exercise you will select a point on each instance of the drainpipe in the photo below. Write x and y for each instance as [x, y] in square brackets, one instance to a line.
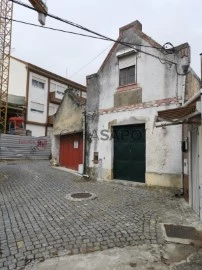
[84, 144]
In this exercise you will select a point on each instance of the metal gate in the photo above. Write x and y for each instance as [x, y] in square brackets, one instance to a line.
[195, 170]
[129, 152]
[71, 150]
[24, 147]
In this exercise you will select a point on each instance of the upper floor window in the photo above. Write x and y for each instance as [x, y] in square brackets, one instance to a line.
[60, 93]
[37, 107]
[127, 75]
[57, 88]
[38, 84]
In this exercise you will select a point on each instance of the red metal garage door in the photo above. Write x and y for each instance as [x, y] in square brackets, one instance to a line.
[71, 150]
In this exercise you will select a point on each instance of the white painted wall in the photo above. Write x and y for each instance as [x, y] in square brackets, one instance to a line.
[52, 108]
[37, 131]
[17, 78]
[163, 146]
[158, 81]
[37, 95]
[55, 149]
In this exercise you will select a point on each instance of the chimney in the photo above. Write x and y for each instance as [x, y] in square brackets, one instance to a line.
[138, 25]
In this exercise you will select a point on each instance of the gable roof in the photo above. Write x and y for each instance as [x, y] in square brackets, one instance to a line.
[137, 28]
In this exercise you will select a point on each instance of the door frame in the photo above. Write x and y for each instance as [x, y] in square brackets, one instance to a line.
[129, 123]
[194, 172]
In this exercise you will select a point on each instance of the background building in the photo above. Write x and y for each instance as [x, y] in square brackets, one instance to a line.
[36, 93]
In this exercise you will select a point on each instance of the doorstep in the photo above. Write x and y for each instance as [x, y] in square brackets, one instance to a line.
[123, 182]
[67, 170]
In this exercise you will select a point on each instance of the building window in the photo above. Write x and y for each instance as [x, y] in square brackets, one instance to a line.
[60, 93]
[57, 88]
[127, 75]
[37, 107]
[38, 84]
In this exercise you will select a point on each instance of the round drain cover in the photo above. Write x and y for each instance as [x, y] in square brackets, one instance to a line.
[80, 196]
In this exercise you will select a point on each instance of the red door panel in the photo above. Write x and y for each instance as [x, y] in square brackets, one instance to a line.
[71, 150]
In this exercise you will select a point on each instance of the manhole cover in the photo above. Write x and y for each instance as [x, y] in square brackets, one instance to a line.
[183, 232]
[80, 196]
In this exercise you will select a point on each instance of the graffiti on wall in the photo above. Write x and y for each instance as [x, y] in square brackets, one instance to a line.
[36, 145]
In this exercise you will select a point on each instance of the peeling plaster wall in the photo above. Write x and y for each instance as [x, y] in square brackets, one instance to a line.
[69, 117]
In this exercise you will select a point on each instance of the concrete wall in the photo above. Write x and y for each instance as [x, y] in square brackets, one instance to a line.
[192, 85]
[36, 130]
[17, 78]
[55, 147]
[158, 83]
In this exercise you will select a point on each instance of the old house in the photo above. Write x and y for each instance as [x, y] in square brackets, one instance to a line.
[35, 94]
[137, 78]
[68, 132]
[188, 117]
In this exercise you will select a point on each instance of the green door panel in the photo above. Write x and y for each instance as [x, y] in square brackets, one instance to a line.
[129, 152]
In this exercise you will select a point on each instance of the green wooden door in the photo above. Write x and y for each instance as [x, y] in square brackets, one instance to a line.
[129, 152]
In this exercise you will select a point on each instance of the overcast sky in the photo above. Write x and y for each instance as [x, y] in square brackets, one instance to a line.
[176, 21]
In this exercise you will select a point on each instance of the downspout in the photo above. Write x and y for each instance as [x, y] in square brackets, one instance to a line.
[84, 144]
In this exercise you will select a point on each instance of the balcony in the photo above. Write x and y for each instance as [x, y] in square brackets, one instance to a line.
[53, 97]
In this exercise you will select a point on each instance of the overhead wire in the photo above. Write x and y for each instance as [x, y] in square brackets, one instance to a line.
[103, 36]
[90, 62]
[51, 28]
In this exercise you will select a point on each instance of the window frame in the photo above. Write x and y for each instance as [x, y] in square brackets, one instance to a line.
[35, 110]
[125, 79]
[37, 83]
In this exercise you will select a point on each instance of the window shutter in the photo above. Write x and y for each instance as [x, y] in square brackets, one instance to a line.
[37, 107]
[127, 61]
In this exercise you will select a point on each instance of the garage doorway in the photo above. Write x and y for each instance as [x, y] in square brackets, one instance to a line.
[71, 150]
[129, 152]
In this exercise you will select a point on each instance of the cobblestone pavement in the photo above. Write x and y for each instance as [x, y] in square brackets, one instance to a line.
[38, 222]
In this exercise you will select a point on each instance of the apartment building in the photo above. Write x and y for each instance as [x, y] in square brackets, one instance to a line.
[35, 94]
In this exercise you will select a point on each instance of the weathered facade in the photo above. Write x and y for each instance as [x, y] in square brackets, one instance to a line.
[68, 137]
[189, 117]
[122, 102]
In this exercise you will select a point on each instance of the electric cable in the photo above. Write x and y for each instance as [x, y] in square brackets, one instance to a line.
[100, 35]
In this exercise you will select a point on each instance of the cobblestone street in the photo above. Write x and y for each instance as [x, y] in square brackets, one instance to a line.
[37, 221]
